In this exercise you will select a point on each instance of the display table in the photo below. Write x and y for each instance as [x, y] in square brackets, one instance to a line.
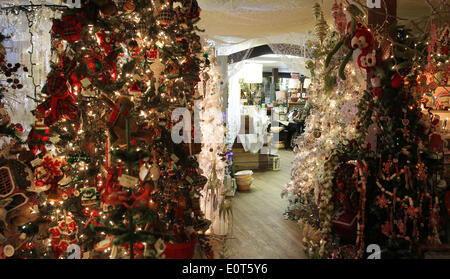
[247, 146]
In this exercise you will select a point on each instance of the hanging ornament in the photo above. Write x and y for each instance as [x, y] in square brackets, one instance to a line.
[165, 17]
[317, 10]
[443, 40]
[108, 9]
[154, 171]
[339, 17]
[129, 6]
[321, 27]
[88, 196]
[317, 133]
[396, 81]
[157, 68]
[421, 172]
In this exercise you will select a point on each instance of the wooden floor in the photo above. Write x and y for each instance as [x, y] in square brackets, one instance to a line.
[259, 228]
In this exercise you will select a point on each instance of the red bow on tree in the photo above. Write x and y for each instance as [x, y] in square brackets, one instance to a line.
[61, 102]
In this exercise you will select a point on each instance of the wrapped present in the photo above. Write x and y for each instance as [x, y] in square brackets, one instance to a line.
[344, 224]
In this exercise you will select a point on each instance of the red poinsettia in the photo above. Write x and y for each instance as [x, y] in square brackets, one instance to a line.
[411, 211]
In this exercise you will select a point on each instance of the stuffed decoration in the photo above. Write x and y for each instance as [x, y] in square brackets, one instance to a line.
[367, 60]
[363, 40]
[133, 47]
[165, 17]
[38, 136]
[345, 40]
[16, 218]
[121, 108]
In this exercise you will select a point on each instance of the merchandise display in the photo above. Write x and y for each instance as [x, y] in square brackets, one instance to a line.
[205, 129]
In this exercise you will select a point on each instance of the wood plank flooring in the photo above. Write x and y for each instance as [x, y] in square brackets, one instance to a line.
[259, 228]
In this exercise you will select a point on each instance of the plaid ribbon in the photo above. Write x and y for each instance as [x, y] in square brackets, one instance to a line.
[69, 27]
[61, 102]
[57, 86]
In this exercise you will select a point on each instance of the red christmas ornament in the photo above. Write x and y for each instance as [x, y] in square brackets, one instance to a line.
[396, 81]
[134, 87]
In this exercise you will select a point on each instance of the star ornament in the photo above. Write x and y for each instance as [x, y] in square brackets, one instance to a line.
[382, 202]
[411, 211]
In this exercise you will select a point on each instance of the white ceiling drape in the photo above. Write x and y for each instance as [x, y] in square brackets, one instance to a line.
[236, 25]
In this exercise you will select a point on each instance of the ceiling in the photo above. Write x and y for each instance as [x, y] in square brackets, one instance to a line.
[235, 25]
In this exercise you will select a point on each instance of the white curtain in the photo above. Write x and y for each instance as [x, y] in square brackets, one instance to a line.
[234, 101]
[16, 27]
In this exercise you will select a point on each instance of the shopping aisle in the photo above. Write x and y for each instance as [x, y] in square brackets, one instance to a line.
[260, 230]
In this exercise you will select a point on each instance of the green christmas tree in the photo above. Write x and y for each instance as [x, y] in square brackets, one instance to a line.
[110, 178]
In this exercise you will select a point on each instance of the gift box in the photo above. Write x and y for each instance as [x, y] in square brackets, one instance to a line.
[344, 224]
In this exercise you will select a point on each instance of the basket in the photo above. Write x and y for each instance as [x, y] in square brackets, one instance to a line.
[243, 174]
[244, 180]
[244, 186]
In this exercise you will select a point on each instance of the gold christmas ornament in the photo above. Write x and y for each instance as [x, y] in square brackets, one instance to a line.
[321, 28]
[317, 10]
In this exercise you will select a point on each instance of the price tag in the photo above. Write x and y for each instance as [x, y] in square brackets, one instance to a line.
[143, 172]
[88, 93]
[174, 158]
[55, 139]
[65, 180]
[36, 162]
[85, 82]
[189, 179]
[70, 53]
[128, 181]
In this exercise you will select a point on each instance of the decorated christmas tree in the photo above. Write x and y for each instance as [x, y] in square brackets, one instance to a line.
[332, 120]
[383, 184]
[112, 179]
